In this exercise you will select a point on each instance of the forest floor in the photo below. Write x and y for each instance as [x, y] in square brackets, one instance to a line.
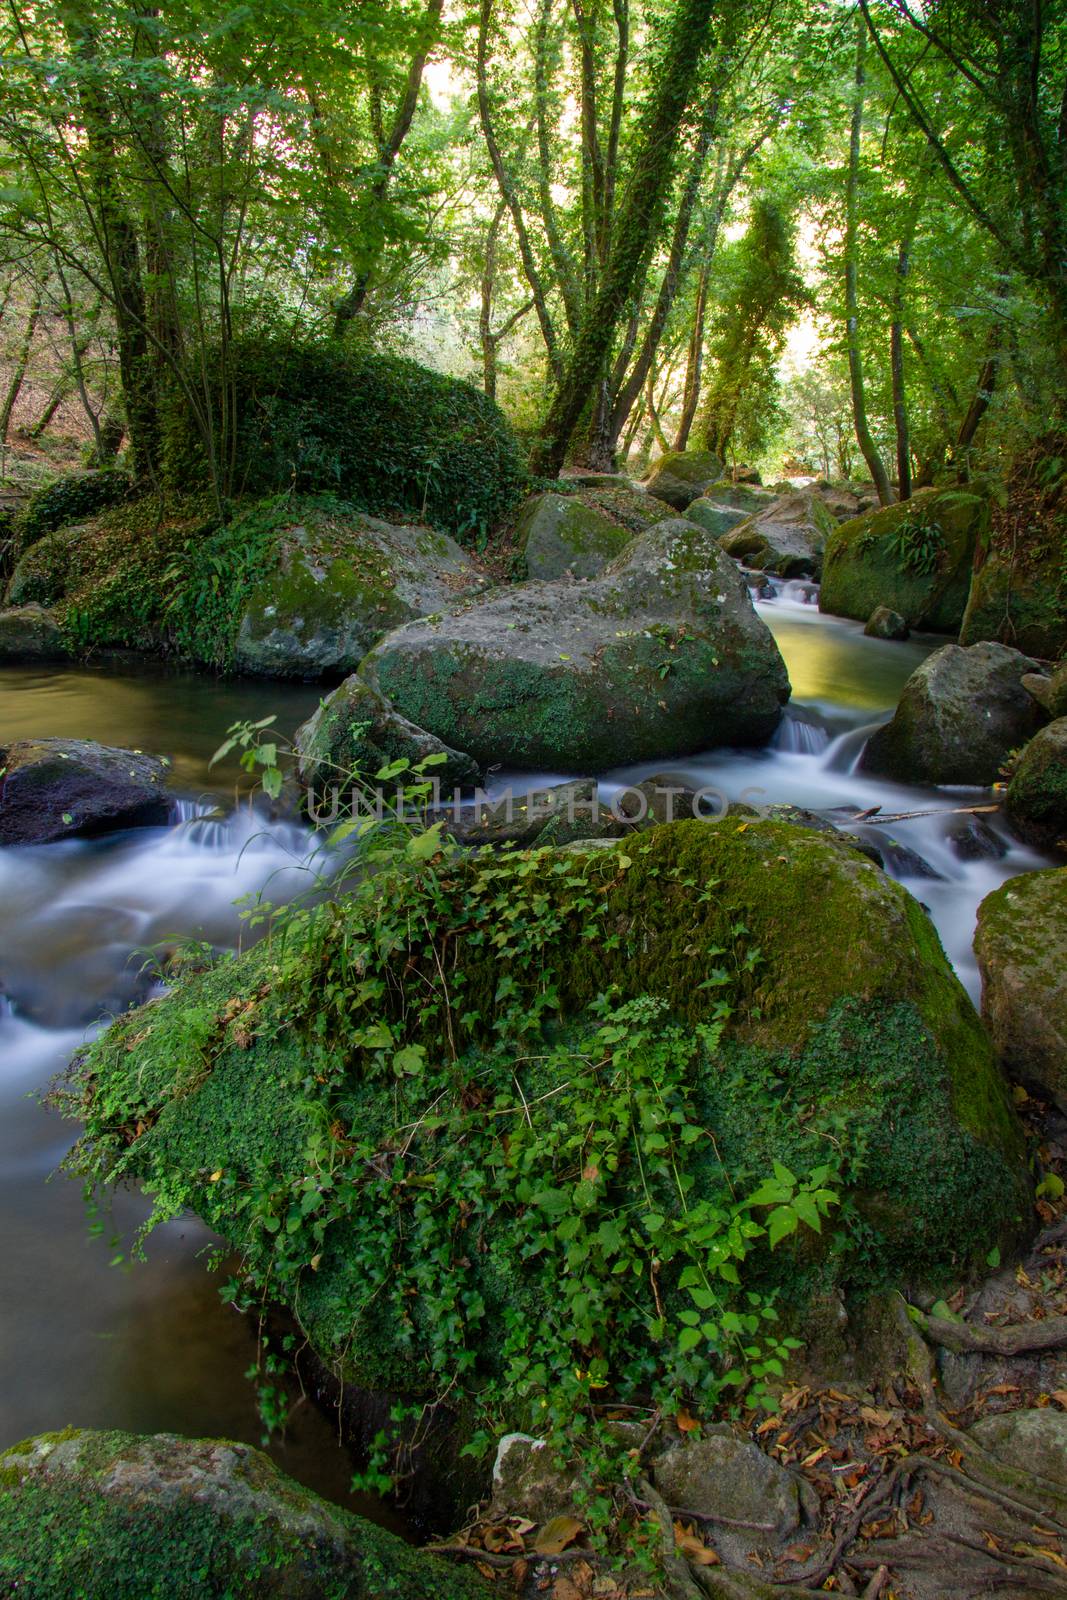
[911, 1506]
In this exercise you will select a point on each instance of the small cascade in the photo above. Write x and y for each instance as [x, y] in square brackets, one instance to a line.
[798, 593]
[799, 734]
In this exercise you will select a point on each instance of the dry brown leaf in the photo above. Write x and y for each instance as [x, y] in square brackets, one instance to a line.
[499, 1538]
[881, 1419]
[565, 1588]
[695, 1550]
[557, 1534]
[685, 1422]
[1060, 1397]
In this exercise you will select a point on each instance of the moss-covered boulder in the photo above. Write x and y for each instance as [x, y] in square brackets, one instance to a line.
[915, 557]
[683, 475]
[62, 788]
[356, 732]
[68, 500]
[960, 715]
[388, 434]
[556, 535]
[1037, 793]
[1024, 606]
[119, 1516]
[711, 514]
[335, 583]
[393, 1109]
[885, 624]
[30, 633]
[1021, 945]
[787, 537]
[661, 655]
[746, 497]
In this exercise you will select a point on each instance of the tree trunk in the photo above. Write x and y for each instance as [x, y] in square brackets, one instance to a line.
[640, 215]
[22, 361]
[121, 253]
[864, 437]
[900, 399]
[694, 362]
[351, 306]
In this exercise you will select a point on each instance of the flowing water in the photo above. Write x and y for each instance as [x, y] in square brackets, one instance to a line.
[152, 1348]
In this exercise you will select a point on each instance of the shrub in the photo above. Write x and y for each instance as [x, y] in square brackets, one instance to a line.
[382, 431]
[68, 500]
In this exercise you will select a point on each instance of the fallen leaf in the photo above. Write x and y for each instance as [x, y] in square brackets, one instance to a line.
[557, 1534]
[695, 1550]
[1060, 1397]
[686, 1423]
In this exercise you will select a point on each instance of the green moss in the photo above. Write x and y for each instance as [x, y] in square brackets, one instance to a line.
[1037, 792]
[862, 568]
[253, 1082]
[1024, 606]
[86, 1516]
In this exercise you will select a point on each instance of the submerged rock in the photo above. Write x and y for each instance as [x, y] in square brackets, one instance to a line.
[30, 633]
[961, 714]
[105, 1516]
[661, 655]
[683, 475]
[59, 788]
[885, 624]
[915, 557]
[1021, 946]
[559, 534]
[1037, 793]
[848, 1018]
[356, 732]
[337, 584]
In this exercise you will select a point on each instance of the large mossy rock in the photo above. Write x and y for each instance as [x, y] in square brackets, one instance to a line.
[356, 732]
[788, 537]
[556, 535]
[1020, 606]
[717, 519]
[30, 633]
[960, 715]
[915, 557]
[119, 1516]
[661, 655]
[683, 475]
[60, 788]
[1037, 793]
[282, 1097]
[339, 582]
[1021, 945]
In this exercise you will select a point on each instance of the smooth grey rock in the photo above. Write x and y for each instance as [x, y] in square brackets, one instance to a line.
[960, 715]
[30, 633]
[60, 788]
[1031, 1441]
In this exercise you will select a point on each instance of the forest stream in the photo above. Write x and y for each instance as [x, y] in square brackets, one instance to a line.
[151, 1347]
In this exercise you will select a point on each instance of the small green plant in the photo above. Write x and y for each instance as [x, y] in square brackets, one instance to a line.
[916, 546]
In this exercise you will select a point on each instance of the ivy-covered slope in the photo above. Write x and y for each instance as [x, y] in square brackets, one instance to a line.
[415, 1113]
